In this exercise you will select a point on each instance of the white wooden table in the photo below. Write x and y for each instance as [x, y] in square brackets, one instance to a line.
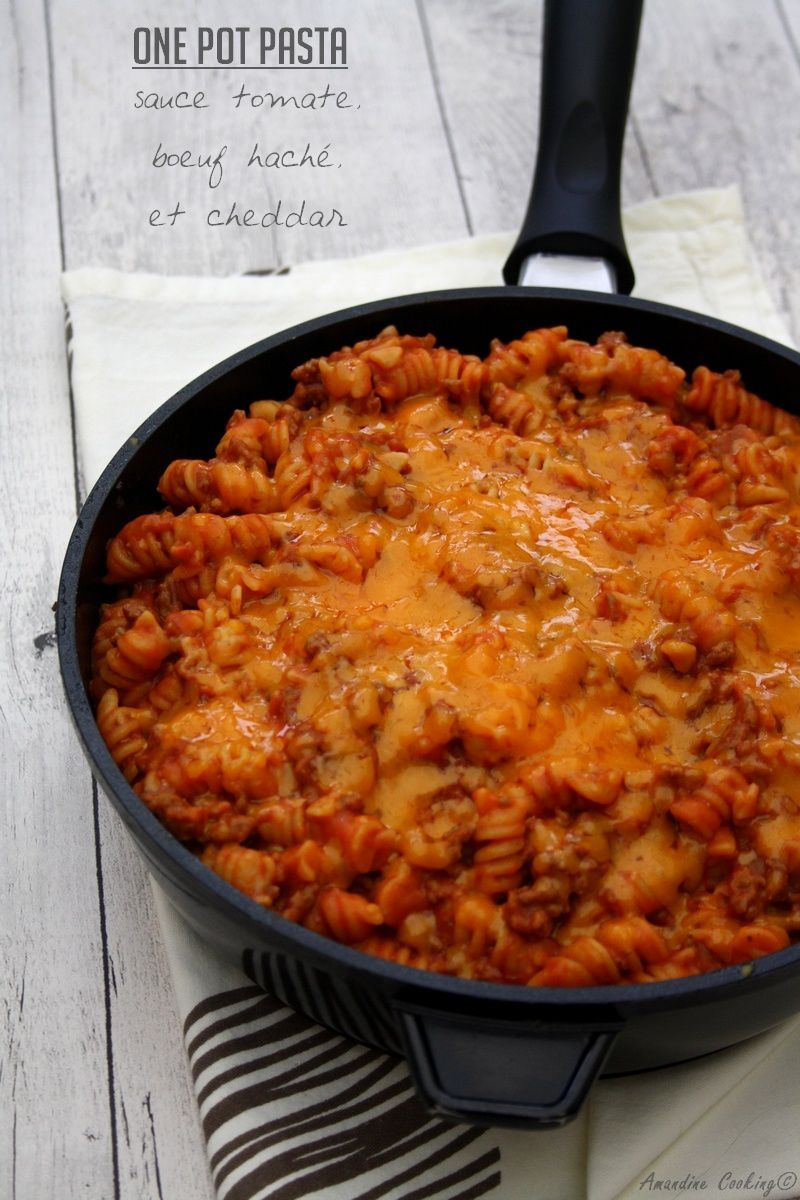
[94, 1089]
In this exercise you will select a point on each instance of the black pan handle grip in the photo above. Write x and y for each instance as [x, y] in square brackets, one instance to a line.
[507, 1073]
[589, 51]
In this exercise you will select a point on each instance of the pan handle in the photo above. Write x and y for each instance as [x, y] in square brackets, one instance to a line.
[589, 50]
[506, 1073]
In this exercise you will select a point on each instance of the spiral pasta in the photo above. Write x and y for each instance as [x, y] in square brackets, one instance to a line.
[219, 486]
[726, 402]
[484, 666]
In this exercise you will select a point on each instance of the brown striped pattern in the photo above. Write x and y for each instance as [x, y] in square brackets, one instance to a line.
[291, 1110]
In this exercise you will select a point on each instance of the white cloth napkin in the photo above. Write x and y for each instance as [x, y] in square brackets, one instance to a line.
[291, 1110]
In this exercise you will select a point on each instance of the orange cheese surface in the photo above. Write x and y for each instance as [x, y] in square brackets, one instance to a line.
[489, 666]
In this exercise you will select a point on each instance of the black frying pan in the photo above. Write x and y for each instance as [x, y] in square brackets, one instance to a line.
[486, 1053]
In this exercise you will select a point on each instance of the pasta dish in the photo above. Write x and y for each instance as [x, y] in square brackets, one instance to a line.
[487, 666]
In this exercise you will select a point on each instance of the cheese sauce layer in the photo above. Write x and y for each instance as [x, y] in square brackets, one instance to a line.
[487, 666]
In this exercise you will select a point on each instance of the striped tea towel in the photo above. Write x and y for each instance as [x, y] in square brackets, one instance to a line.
[289, 1109]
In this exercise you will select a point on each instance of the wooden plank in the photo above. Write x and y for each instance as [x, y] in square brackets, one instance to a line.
[395, 184]
[56, 1134]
